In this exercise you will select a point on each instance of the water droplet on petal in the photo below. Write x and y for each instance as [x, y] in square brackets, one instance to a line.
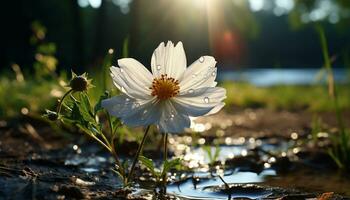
[190, 91]
[194, 75]
[144, 115]
[159, 67]
[172, 116]
[213, 73]
[121, 70]
[206, 99]
[127, 99]
[201, 59]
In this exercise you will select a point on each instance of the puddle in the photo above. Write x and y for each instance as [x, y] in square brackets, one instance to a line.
[87, 159]
[213, 188]
[242, 178]
[265, 150]
[203, 186]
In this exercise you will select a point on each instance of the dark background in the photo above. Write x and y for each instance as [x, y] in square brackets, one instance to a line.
[235, 35]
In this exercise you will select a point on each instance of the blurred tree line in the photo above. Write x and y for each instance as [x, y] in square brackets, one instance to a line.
[227, 29]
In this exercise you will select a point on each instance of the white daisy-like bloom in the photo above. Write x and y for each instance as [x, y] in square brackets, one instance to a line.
[168, 96]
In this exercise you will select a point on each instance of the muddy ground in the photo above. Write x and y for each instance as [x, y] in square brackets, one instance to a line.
[38, 161]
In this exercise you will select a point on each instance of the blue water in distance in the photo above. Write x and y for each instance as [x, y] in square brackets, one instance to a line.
[286, 76]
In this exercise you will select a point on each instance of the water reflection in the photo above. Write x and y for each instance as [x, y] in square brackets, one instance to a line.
[268, 77]
[206, 188]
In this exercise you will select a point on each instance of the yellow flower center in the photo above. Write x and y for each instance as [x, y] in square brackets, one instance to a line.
[164, 87]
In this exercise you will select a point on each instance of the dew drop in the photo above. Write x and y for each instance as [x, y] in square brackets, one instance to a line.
[206, 99]
[159, 67]
[127, 99]
[190, 91]
[213, 73]
[144, 115]
[121, 70]
[201, 59]
[172, 116]
[194, 75]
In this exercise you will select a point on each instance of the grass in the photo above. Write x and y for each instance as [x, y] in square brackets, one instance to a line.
[290, 97]
[340, 150]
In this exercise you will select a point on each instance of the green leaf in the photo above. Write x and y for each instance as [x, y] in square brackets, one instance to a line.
[168, 165]
[207, 149]
[75, 113]
[118, 173]
[335, 158]
[148, 163]
[98, 106]
[85, 107]
[80, 113]
[217, 152]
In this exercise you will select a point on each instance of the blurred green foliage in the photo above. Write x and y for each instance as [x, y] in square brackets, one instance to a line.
[291, 97]
[24, 93]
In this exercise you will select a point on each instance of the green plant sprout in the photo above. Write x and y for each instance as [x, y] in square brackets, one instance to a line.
[160, 175]
[75, 108]
[340, 150]
[213, 157]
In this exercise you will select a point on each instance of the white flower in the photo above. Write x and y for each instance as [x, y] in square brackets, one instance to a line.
[169, 95]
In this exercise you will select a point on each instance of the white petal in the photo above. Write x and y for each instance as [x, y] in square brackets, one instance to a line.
[132, 112]
[201, 101]
[216, 109]
[136, 70]
[169, 60]
[132, 78]
[172, 121]
[190, 109]
[201, 73]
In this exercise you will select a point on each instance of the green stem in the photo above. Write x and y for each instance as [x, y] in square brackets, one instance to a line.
[165, 158]
[95, 138]
[112, 145]
[136, 158]
[59, 106]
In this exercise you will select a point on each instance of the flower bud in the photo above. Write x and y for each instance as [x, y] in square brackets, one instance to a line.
[79, 83]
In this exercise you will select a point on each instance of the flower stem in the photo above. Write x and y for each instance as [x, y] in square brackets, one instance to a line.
[136, 158]
[59, 106]
[112, 146]
[165, 158]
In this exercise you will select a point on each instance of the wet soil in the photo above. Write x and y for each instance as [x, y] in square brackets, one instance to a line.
[263, 155]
